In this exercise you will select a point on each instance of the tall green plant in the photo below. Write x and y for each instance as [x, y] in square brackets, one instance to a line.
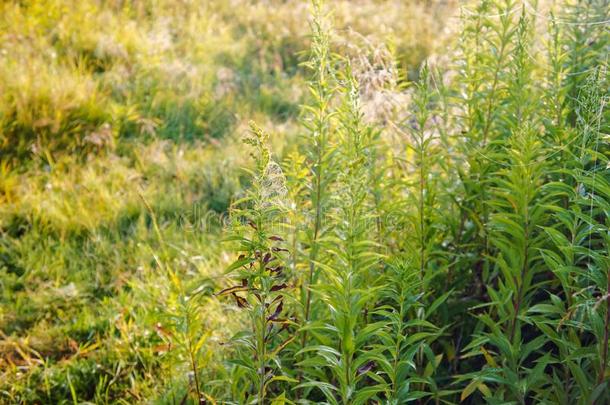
[386, 309]
[257, 221]
[319, 151]
[518, 210]
[348, 268]
[578, 310]
[486, 46]
[421, 235]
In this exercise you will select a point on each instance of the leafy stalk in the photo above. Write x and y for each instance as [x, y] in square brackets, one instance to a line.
[318, 123]
[257, 220]
[347, 268]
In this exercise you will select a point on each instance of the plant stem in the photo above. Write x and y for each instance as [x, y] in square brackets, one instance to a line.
[524, 271]
[604, 359]
[193, 361]
[312, 258]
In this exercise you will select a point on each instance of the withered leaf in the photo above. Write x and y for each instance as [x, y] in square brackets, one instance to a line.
[241, 302]
[162, 331]
[277, 312]
[365, 368]
[231, 290]
[163, 348]
[279, 287]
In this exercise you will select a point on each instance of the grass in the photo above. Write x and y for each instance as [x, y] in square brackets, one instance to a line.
[79, 77]
[79, 267]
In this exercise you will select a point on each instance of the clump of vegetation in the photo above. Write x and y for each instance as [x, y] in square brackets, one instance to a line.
[422, 231]
[505, 299]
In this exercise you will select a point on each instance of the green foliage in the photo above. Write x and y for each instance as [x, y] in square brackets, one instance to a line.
[507, 303]
[438, 241]
[319, 155]
[349, 268]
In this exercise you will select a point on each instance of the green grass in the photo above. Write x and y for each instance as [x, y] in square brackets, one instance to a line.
[79, 77]
[79, 268]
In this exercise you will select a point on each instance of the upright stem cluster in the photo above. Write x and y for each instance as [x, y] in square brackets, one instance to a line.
[491, 274]
[318, 123]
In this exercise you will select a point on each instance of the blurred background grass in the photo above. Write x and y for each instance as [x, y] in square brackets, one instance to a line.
[107, 106]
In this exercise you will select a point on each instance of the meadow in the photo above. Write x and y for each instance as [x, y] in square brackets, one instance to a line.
[282, 201]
